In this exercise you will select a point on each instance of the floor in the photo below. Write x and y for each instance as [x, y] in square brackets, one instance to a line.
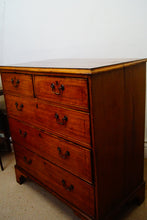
[31, 202]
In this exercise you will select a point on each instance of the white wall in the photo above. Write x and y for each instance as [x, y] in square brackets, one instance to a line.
[41, 29]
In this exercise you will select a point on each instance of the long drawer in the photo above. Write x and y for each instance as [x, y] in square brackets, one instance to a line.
[74, 125]
[69, 156]
[71, 188]
[20, 84]
[68, 91]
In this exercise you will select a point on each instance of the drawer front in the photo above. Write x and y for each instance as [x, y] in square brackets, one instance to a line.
[71, 157]
[74, 125]
[17, 84]
[71, 188]
[69, 91]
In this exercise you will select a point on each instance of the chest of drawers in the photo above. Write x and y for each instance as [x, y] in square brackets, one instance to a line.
[78, 130]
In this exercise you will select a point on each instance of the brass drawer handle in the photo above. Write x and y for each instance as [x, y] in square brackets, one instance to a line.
[62, 121]
[40, 135]
[68, 188]
[22, 134]
[15, 82]
[27, 161]
[59, 90]
[19, 108]
[63, 156]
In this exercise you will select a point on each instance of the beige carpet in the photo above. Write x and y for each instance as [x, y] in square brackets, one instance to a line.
[31, 202]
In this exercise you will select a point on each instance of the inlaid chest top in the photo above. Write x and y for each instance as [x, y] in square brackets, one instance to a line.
[75, 66]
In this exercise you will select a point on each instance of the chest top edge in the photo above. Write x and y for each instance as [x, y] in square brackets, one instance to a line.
[76, 67]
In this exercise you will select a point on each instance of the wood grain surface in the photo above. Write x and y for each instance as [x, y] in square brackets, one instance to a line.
[72, 66]
[78, 161]
[17, 84]
[118, 112]
[74, 92]
[35, 112]
[82, 194]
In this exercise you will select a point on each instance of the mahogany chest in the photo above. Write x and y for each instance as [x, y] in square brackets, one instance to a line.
[78, 130]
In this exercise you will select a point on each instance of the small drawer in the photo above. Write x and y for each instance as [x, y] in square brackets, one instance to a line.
[67, 91]
[71, 188]
[71, 124]
[19, 84]
[71, 157]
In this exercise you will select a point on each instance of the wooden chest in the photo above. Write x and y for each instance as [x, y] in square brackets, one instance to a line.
[78, 130]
